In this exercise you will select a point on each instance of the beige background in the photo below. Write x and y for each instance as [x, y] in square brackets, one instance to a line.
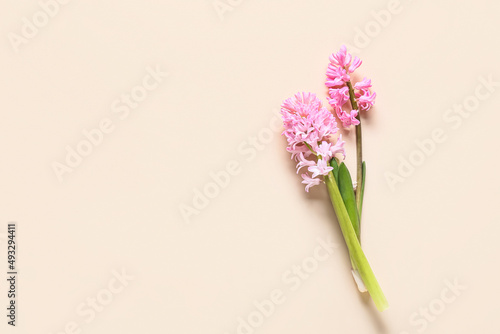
[120, 208]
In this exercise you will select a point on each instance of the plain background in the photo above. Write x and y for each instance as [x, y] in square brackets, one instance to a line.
[120, 208]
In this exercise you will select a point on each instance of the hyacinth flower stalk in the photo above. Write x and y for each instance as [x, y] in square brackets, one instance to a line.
[348, 102]
[309, 130]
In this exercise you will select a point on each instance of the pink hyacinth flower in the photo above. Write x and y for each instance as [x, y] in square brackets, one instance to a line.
[309, 181]
[321, 168]
[342, 64]
[308, 129]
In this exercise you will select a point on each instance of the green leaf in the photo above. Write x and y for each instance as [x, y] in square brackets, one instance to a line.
[335, 170]
[347, 192]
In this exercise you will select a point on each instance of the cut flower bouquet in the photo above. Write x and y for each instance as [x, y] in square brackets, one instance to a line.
[309, 130]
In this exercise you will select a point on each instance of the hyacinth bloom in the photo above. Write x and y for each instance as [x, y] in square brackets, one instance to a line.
[341, 91]
[308, 130]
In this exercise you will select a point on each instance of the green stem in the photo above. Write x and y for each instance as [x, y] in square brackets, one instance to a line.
[362, 189]
[310, 148]
[359, 150]
[351, 240]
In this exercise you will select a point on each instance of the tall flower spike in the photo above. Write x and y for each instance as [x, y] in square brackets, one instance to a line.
[308, 130]
[338, 79]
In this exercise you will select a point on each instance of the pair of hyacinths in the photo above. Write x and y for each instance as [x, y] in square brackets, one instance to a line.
[309, 128]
